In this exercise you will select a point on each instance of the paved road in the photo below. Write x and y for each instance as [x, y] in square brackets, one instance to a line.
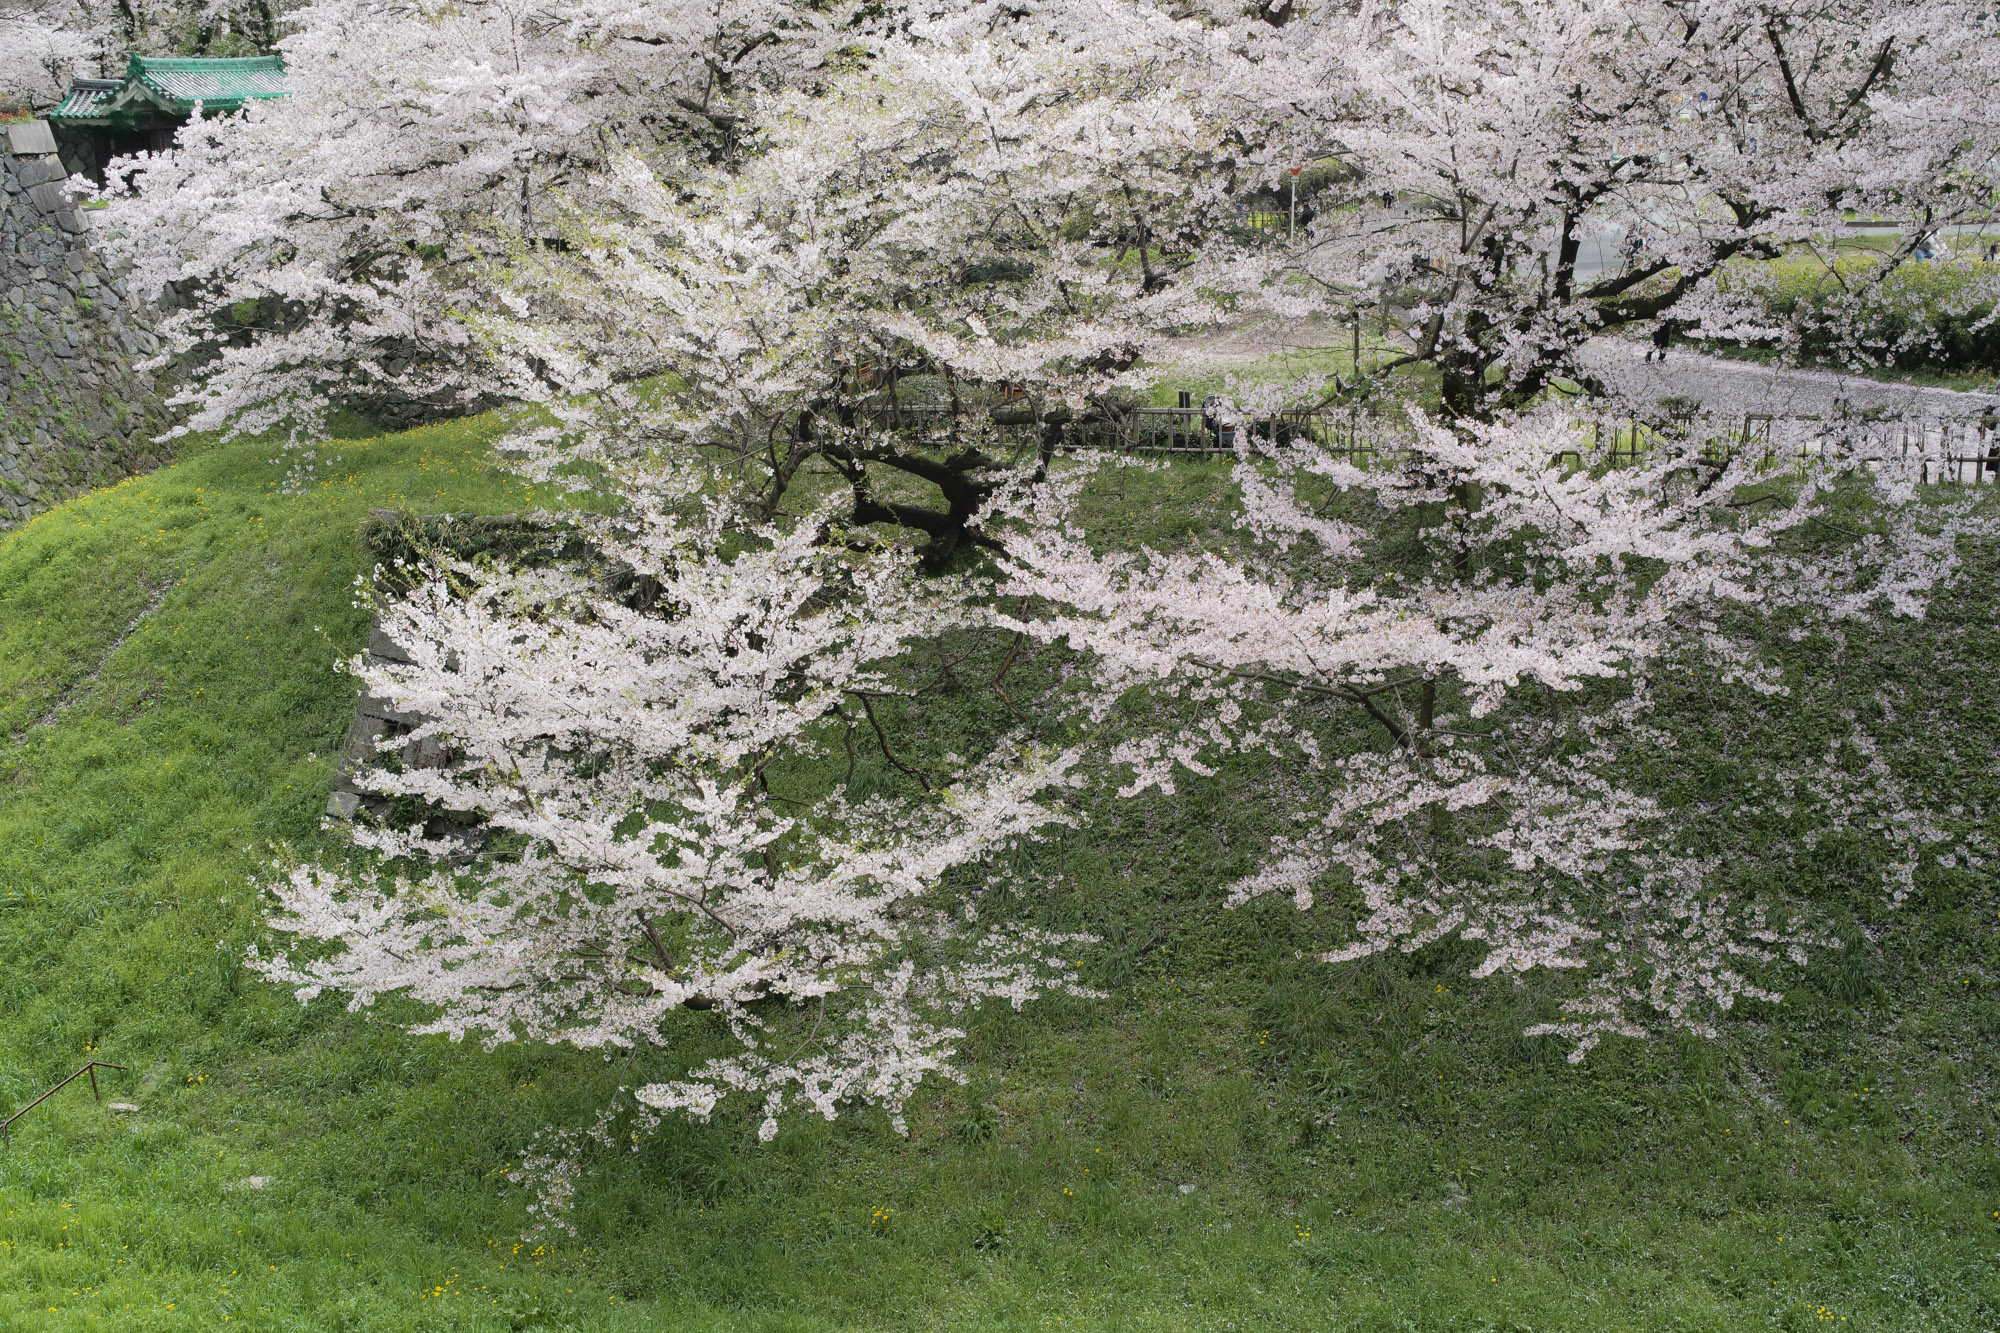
[1726, 388]
[1730, 388]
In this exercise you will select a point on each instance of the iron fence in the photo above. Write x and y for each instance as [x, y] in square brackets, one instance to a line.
[1944, 449]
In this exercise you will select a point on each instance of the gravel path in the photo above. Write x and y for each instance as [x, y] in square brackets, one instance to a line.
[1730, 388]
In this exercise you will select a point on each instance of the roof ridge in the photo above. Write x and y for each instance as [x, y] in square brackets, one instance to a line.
[192, 63]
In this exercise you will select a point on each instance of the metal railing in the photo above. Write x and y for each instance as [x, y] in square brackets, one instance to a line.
[1162, 430]
[1965, 450]
[7, 1125]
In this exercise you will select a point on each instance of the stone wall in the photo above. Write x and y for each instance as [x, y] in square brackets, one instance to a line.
[74, 413]
[375, 720]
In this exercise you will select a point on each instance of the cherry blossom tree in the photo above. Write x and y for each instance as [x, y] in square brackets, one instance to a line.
[1527, 176]
[609, 827]
[910, 266]
[325, 248]
[39, 46]
[621, 821]
[45, 43]
[1497, 597]
[905, 289]
[1501, 669]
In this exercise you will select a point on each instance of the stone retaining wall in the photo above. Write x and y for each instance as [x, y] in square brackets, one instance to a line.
[376, 720]
[74, 413]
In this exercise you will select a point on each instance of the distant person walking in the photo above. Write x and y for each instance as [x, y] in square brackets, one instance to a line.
[1662, 335]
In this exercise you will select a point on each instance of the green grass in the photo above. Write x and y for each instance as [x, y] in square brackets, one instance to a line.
[1311, 365]
[1237, 1137]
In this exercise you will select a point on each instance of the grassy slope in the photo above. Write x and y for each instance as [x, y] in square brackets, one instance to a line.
[1371, 1147]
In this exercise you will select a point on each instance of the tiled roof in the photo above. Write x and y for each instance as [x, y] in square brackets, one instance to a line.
[218, 84]
[87, 99]
[173, 84]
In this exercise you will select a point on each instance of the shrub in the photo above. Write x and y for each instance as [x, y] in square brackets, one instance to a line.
[1936, 316]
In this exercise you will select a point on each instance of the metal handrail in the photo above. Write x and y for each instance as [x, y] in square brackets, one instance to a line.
[7, 1125]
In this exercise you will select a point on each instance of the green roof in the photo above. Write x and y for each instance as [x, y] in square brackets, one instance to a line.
[87, 99]
[218, 84]
[173, 85]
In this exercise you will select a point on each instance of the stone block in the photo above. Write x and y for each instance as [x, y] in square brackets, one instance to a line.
[374, 707]
[39, 171]
[430, 752]
[50, 197]
[382, 646]
[25, 137]
[357, 749]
